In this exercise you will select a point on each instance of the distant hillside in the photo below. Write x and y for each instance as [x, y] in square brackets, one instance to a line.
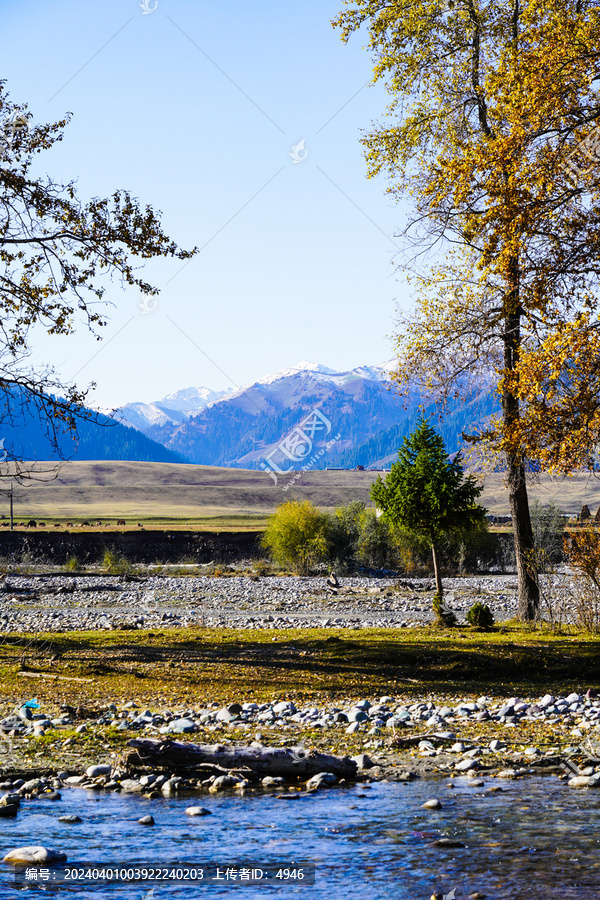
[26, 436]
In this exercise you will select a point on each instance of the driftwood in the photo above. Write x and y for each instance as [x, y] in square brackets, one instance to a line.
[276, 761]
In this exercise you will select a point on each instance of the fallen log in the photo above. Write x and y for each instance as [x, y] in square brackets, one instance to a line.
[276, 761]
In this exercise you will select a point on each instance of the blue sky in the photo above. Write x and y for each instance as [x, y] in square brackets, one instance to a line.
[195, 108]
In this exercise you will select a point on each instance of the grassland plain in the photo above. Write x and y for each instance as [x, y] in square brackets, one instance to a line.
[167, 494]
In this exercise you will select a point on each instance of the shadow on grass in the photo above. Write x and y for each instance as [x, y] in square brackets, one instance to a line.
[452, 662]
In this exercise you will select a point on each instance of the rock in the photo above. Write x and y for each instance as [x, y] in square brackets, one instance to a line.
[353, 728]
[10, 800]
[146, 820]
[9, 811]
[357, 715]
[223, 782]
[447, 842]
[182, 726]
[34, 855]
[131, 786]
[322, 779]
[70, 820]
[29, 786]
[507, 773]
[197, 811]
[96, 771]
[496, 745]
[270, 781]
[51, 795]
[81, 729]
[476, 782]
[432, 804]
[74, 779]
[591, 781]
[465, 765]
[363, 761]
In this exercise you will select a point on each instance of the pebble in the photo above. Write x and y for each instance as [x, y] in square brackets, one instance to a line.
[197, 811]
[432, 804]
[70, 820]
[146, 820]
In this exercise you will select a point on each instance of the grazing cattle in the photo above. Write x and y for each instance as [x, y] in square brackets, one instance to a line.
[121, 522]
[98, 524]
[85, 525]
[32, 524]
[42, 524]
[70, 525]
[139, 525]
[57, 525]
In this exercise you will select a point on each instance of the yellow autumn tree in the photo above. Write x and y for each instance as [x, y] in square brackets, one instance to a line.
[490, 137]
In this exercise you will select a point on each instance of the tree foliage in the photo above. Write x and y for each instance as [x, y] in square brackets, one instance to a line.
[427, 493]
[58, 255]
[296, 536]
[491, 132]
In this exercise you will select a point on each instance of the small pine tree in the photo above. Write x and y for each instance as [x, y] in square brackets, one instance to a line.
[427, 493]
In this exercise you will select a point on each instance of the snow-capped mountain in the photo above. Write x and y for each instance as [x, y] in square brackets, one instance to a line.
[304, 413]
[174, 408]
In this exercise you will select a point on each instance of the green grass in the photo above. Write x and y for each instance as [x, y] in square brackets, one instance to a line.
[195, 664]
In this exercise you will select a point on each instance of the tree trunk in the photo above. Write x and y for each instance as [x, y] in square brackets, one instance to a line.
[276, 761]
[438, 578]
[529, 593]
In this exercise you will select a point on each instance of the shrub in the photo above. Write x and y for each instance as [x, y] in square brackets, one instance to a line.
[73, 564]
[548, 525]
[480, 616]
[115, 563]
[343, 535]
[296, 536]
[583, 554]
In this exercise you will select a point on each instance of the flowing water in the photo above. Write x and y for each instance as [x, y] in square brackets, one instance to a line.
[536, 838]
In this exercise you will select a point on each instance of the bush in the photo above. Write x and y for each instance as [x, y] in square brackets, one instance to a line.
[480, 616]
[73, 564]
[296, 536]
[548, 525]
[115, 563]
[583, 555]
[342, 535]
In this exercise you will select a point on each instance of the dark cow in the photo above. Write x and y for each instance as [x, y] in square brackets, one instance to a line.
[32, 524]
[121, 522]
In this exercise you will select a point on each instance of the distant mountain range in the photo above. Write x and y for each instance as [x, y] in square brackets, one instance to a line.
[27, 436]
[305, 416]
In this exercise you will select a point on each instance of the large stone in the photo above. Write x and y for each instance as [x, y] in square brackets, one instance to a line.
[183, 726]
[432, 804]
[35, 856]
[357, 715]
[363, 761]
[322, 779]
[96, 771]
[197, 811]
[131, 786]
